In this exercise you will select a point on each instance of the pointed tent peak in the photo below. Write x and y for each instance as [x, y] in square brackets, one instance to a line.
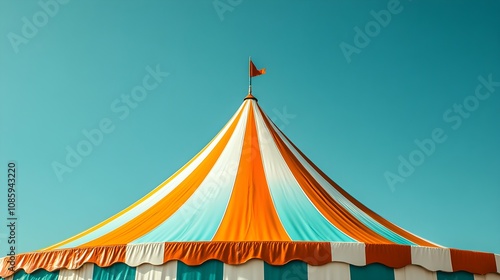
[250, 96]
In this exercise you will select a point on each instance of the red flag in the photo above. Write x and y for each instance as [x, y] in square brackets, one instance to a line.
[256, 72]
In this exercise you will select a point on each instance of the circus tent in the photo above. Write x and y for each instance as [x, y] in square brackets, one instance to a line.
[249, 205]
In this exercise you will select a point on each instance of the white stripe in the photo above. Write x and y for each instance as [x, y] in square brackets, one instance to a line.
[432, 259]
[152, 253]
[351, 253]
[497, 260]
[83, 273]
[251, 270]
[493, 276]
[1, 268]
[167, 271]
[157, 196]
[490, 276]
[413, 272]
[329, 271]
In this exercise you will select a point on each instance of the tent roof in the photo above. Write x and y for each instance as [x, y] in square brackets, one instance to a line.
[250, 183]
[250, 193]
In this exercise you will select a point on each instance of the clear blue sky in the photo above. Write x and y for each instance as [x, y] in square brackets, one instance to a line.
[352, 102]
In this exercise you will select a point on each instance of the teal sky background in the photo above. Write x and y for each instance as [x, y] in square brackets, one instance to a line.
[353, 119]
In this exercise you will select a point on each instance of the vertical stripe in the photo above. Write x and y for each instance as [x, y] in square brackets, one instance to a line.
[209, 270]
[432, 259]
[167, 271]
[290, 201]
[200, 215]
[294, 270]
[497, 261]
[330, 271]
[83, 273]
[151, 198]
[136, 254]
[251, 270]
[413, 272]
[489, 276]
[39, 274]
[162, 210]
[351, 253]
[250, 208]
[118, 271]
[481, 263]
[372, 271]
[459, 275]
[391, 255]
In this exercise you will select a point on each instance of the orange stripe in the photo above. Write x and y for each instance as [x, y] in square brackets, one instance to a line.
[68, 258]
[391, 255]
[190, 253]
[329, 208]
[164, 208]
[473, 262]
[373, 215]
[250, 215]
[234, 253]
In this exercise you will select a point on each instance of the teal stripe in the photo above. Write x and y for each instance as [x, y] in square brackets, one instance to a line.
[293, 205]
[40, 274]
[373, 271]
[294, 270]
[459, 275]
[370, 222]
[198, 219]
[118, 271]
[209, 270]
[380, 229]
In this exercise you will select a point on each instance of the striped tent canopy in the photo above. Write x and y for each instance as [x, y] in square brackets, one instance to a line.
[249, 205]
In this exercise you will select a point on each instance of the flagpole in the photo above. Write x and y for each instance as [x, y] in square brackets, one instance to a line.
[249, 75]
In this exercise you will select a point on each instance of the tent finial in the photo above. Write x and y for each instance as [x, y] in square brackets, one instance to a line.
[250, 96]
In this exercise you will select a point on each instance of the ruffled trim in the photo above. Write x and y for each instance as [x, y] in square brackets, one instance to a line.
[272, 252]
